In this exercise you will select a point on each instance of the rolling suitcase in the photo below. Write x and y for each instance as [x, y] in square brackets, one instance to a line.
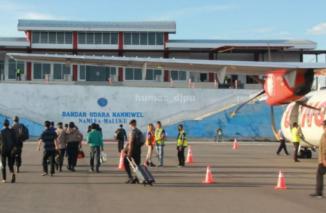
[142, 173]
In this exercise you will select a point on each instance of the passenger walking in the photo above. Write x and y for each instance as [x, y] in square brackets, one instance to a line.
[95, 141]
[8, 143]
[160, 142]
[121, 137]
[182, 144]
[295, 132]
[48, 138]
[321, 170]
[150, 143]
[73, 139]
[61, 145]
[18, 74]
[133, 150]
[282, 145]
[22, 134]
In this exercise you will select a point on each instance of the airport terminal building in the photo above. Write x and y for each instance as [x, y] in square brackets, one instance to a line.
[112, 95]
[133, 39]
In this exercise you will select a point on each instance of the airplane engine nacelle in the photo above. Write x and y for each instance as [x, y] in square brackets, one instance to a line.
[309, 120]
[283, 86]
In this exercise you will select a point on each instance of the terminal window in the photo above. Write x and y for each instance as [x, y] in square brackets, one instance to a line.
[143, 38]
[13, 66]
[60, 71]
[97, 38]
[178, 75]
[42, 37]
[40, 71]
[133, 74]
[153, 75]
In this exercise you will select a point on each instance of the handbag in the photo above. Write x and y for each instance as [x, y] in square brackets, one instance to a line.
[81, 154]
[104, 157]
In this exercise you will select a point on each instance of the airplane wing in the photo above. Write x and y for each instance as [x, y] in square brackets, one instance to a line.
[231, 67]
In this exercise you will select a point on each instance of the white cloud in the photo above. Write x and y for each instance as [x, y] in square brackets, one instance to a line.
[319, 29]
[191, 11]
[36, 15]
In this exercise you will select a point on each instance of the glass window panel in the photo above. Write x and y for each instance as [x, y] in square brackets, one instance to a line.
[129, 74]
[138, 73]
[151, 38]
[113, 71]
[36, 37]
[149, 74]
[106, 38]
[182, 76]
[82, 72]
[12, 70]
[57, 72]
[44, 37]
[46, 69]
[157, 74]
[52, 37]
[143, 39]
[127, 38]
[68, 38]
[114, 38]
[174, 75]
[159, 38]
[81, 38]
[98, 38]
[37, 71]
[60, 37]
[90, 38]
[66, 69]
[21, 66]
[135, 38]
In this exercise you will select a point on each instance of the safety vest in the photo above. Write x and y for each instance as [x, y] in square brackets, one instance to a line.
[295, 135]
[182, 139]
[18, 71]
[158, 135]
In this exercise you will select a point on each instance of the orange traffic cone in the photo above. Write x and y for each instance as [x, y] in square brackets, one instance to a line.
[189, 159]
[121, 162]
[281, 182]
[235, 144]
[209, 179]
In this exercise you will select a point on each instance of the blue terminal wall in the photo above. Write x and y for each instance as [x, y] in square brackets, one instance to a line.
[253, 122]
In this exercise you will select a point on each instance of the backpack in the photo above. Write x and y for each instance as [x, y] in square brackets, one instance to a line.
[141, 139]
[120, 134]
[23, 133]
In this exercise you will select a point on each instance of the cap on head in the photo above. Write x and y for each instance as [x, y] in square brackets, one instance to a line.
[47, 124]
[16, 119]
[94, 126]
[71, 125]
[133, 122]
[6, 123]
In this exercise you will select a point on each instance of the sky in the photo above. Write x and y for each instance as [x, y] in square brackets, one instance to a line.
[196, 19]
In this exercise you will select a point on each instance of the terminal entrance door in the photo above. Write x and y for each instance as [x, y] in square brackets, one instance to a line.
[97, 73]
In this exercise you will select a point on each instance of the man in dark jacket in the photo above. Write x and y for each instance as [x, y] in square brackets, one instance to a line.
[8, 141]
[48, 138]
[132, 150]
[121, 137]
[22, 135]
